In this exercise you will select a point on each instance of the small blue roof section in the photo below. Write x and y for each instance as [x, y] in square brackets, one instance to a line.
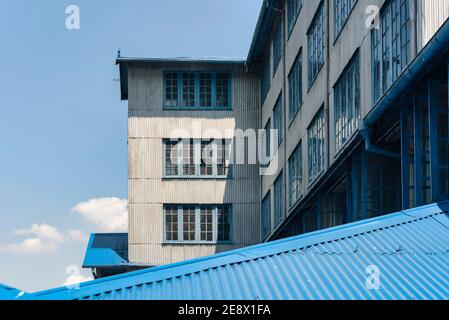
[106, 250]
[9, 293]
[400, 256]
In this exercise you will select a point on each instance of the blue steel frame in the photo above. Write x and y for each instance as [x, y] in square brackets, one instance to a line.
[197, 90]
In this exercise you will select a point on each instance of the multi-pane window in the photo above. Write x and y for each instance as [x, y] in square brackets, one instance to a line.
[316, 146]
[171, 223]
[342, 10]
[171, 89]
[295, 175]
[293, 9]
[265, 81]
[279, 199]
[315, 40]
[194, 158]
[197, 90]
[390, 45]
[267, 139]
[205, 90]
[277, 46]
[197, 223]
[278, 119]
[295, 87]
[347, 103]
[266, 215]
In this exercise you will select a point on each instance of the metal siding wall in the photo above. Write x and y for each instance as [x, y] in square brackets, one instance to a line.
[148, 125]
[432, 15]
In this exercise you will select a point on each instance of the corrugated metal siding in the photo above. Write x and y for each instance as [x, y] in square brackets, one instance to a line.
[432, 16]
[410, 249]
[148, 191]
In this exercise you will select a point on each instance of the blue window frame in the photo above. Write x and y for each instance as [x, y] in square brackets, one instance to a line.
[295, 175]
[342, 10]
[390, 45]
[277, 46]
[195, 158]
[265, 81]
[293, 10]
[316, 141]
[278, 119]
[315, 40]
[197, 223]
[295, 87]
[197, 90]
[266, 215]
[267, 139]
[279, 199]
[347, 103]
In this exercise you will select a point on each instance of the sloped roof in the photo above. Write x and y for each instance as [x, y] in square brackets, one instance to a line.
[106, 250]
[9, 293]
[410, 249]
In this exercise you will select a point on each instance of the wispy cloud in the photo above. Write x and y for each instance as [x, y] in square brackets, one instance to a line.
[108, 214]
[41, 239]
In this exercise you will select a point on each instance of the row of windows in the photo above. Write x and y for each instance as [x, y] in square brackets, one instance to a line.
[196, 90]
[197, 223]
[197, 158]
[342, 10]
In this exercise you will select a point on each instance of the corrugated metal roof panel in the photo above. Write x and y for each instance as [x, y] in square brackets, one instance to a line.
[106, 249]
[9, 293]
[410, 250]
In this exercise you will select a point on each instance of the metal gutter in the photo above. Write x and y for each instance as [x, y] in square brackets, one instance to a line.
[219, 60]
[429, 55]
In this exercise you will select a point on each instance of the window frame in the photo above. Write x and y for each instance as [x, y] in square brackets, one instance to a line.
[292, 17]
[277, 41]
[278, 118]
[197, 148]
[297, 183]
[343, 85]
[279, 203]
[266, 216]
[313, 173]
[298, 64]
[319, 15]
[344, 17]
[215, 224]
[197, 90]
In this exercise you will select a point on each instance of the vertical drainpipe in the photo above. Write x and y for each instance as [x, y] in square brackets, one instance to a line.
[284, 93]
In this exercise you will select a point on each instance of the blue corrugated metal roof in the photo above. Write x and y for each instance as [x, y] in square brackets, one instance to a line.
[9, 293]
[409, 248]
[106, 250]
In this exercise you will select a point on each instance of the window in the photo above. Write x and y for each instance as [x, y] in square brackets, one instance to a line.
[266, 215]
[277, 46]
[390, 45]
[347, 103]
[279, 199]
[295, 175]
[197, 223]
[342, 10]
[265, 78]
[267, 140]
[197, 90]
[293, 8]
[295, 87]
[310, 221]
[194, 158]
[316, 146]
[315, 39]
[278, 119]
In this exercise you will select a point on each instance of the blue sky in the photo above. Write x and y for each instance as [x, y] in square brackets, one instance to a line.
[63, 128]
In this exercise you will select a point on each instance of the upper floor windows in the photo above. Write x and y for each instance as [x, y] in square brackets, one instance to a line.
[279, 199]
[194, 158]
[316, 146]
[295, 87]
[277, 46]
[295, 175]
[278, 119]
[390, 45]
[347, 103]
[265, 81]
[196, 90]
[315, 40]
[293, 9]
[197, 223]
[342, 10]
[266, 215]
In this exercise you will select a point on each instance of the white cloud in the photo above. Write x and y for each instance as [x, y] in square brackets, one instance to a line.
[77, 236]
[108, 214]
[42, 238]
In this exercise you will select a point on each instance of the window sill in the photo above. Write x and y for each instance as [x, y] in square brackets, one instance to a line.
[312, 82]
[295, 115]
